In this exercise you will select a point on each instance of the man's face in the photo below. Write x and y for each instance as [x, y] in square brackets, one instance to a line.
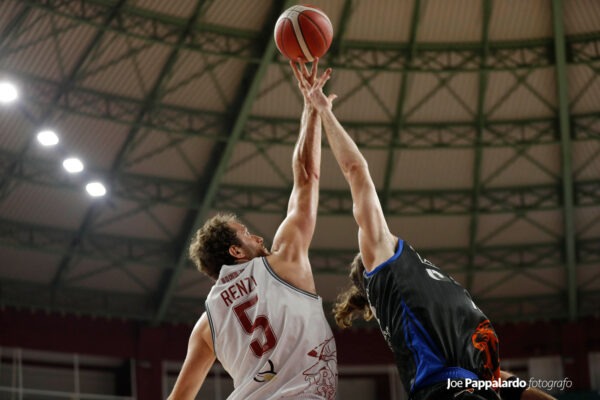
[251, 245]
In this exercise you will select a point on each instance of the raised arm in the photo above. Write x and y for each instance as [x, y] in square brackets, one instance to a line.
[376, 242]
[198, 360]
[289, 253]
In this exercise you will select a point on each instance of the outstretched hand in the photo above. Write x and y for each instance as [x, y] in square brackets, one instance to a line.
[311, 86]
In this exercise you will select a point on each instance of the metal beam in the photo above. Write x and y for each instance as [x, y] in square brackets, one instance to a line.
[149, 191]
[566, 156]
[13, 26]
[158, 253]
[153, 98]
[64, 88]
[338, 39]
[218, 40]
[480, 123]
[373, 135]
[399, 119]
[212, 179]
[126, 250]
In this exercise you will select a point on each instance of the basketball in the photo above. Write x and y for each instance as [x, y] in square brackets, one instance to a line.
[303, 32]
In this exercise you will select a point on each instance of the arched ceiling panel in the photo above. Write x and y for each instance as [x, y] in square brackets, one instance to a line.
[518, 283]
[44, 205]
[586, 165]
[39, 267]
[584, 88]
[93, 140]
[365, 96]
[379, 21]
[278, 91]
[520, 20]
[504, 166]
[173, 156]
[16, 130]
[203, 81]
[139, 220]
[533, 227]
[465, 16]
[587, 223]
[581, 16]
[240, 15]
[268, 166]
[54, 41]
[194, 284]
[521, 94]
[433, 168]
[441, 97]
[167, 8]
[110, 275]
[430, 232]
[127, 67]
[475, 141]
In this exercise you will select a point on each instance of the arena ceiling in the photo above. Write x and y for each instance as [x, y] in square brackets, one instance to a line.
[480, 120]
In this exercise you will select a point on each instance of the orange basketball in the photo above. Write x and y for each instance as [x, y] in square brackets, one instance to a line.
[303, 33]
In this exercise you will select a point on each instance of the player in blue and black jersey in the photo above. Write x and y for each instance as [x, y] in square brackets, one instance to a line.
[440, 339]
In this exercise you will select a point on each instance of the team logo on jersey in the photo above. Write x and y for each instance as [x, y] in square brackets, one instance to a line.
[323, 374]
[437, 275]
[266, 375]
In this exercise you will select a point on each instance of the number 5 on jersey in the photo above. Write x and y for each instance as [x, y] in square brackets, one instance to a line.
[249, 327]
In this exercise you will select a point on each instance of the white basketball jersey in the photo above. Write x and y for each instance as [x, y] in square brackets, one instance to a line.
[272, 338]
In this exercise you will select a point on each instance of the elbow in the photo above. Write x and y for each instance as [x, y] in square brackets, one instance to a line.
[306, 173]
[355, 168]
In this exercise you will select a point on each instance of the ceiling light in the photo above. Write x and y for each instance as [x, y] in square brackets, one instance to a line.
[73, 165]
[47, 138]
[95, 189]
[8, 92]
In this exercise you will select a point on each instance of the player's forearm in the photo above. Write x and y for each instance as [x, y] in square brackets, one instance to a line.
[306, 166]
[307, 153]
[345, 151]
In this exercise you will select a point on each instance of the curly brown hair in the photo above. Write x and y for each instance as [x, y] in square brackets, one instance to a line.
[209, 249]
[353, 303]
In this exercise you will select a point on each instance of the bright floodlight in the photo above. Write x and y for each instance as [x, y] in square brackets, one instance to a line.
[73, 165]
[47, 138]
[8, 92]
[95, 189]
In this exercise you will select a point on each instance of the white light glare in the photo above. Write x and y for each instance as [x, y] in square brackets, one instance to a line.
[73, 165]
[95, 189]
[47, 138]
[8, 92]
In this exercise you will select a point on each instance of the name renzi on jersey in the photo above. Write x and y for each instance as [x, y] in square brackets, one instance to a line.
[240, 288]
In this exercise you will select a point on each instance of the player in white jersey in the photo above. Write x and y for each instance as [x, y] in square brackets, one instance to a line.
[264, 321]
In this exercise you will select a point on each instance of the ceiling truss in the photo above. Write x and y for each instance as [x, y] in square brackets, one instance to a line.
[46, 99]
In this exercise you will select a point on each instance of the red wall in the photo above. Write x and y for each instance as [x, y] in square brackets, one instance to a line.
[150, 345]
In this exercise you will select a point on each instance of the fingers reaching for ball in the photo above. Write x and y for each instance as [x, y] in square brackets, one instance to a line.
[311, 84]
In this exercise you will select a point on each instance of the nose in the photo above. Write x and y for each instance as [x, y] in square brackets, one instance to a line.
[259, 239]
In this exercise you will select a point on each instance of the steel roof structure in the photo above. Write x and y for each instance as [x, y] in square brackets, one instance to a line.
[480, 121]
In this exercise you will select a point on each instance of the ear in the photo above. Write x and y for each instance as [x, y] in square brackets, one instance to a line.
[236, 251]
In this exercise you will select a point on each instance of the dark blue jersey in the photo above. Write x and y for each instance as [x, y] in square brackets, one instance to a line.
[430, 322]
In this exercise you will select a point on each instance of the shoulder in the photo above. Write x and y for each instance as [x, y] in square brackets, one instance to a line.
[295, 271]
[382, 253]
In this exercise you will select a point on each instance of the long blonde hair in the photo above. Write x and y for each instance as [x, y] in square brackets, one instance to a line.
[353, 302]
